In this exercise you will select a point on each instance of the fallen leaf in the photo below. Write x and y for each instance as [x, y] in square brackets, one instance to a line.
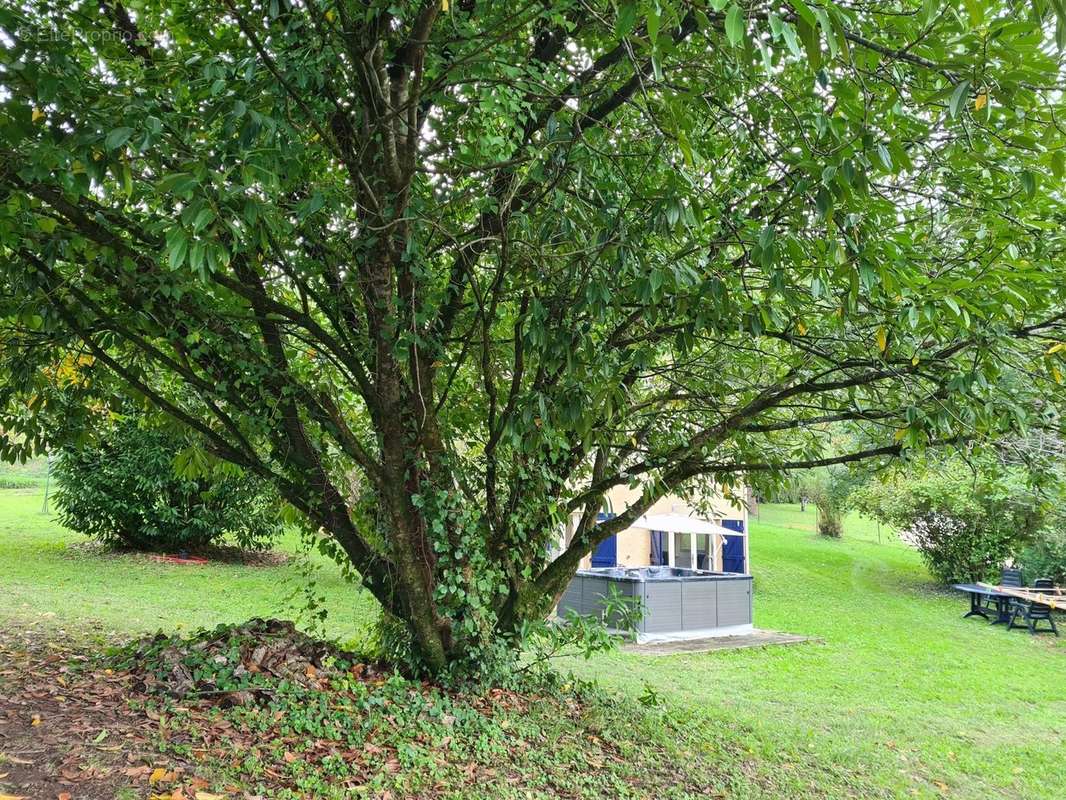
[157, 775]
[209, 796]
[12, 797]
[63, 796]
[36, 719]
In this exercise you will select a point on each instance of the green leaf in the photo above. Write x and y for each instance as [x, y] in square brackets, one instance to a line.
[884, 156]
[789, 34]
[203, 219]
[196, 256]
[177, 247]
[118, 137]
[808, 34]
[804, 12]
[958, 98]
[626, 19]
[1028, 180]
[46, 224]
[1058, 164]
[735, 25]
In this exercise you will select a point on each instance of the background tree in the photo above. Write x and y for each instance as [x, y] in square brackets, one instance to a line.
[495, 259]
[828, 488]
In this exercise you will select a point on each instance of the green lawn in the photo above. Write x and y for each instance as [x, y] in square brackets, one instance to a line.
[901, 698]
[30, 475]
[43, 579]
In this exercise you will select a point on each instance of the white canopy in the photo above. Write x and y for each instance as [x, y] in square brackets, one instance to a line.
[679, 523]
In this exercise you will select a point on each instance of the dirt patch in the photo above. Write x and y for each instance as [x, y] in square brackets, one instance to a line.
[214, 554]
[65, 730]
[755, 638]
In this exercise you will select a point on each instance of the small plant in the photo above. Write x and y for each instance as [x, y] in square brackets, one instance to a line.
[650, 697]
[123, 490]
[582, 635]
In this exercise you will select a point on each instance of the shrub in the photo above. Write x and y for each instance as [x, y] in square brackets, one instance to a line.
[830, 522]
[965, 518]
[957, 550]
[828, 489]
[123, 491]
[1045, 558]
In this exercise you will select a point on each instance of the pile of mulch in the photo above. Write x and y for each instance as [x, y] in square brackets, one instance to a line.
[255, 656]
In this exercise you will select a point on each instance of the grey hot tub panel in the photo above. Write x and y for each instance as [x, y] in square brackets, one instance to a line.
[676, 601]
[662, 607]
[699, 609]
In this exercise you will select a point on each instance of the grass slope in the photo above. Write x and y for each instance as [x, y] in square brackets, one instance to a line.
[901, 698]
[903, 692]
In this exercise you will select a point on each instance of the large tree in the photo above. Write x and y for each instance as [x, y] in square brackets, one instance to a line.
[446, 272]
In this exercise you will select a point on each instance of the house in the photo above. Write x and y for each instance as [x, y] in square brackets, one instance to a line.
[675, 532]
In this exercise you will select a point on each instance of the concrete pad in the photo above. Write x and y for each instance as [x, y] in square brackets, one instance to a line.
[755, 638]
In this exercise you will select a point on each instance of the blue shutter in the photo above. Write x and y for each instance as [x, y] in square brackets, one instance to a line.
[733, 547]
[606, 552]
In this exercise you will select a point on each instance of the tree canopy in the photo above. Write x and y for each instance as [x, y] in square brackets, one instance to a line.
[446, 272]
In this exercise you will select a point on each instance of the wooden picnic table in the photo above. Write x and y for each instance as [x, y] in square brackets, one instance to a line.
[1054, 596]
[1002, 595]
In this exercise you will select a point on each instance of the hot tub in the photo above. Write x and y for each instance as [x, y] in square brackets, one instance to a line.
[678, 603]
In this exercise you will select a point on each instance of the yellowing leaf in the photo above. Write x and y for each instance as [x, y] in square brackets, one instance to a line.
[330, 15]
[444, 5]
[1056, 347]
[980, 101]
[37, 114]
[882, 339]
[914, 361]
[157, 775]
[12, 797]
[1057, 373]
[209, 796]
[800, 327]
[900, 434]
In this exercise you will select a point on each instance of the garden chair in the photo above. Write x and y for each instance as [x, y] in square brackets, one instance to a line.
[1002, 605]
[1031, 612]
